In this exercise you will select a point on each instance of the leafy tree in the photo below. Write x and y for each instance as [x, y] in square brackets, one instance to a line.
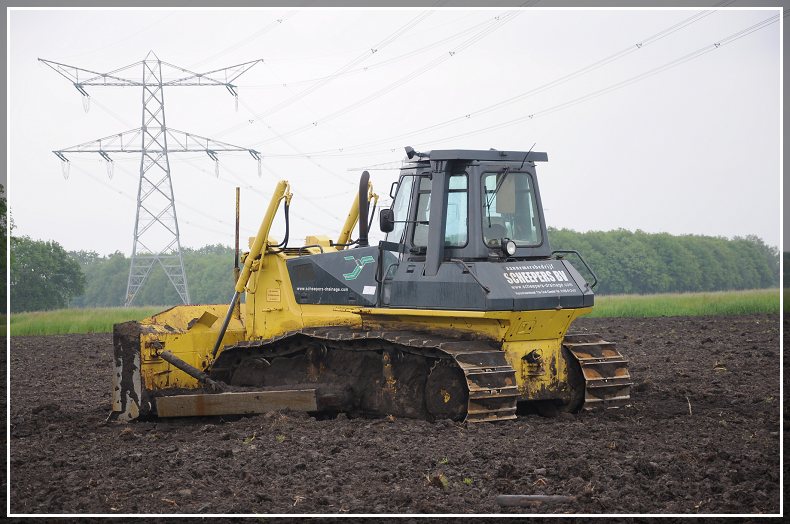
[679, 270]
[210, 273]
[105, 280]
[43, 275]
[85, 257]
[768, 270]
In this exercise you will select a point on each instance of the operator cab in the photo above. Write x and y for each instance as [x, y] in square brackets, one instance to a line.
[468, 205]
[465, 232]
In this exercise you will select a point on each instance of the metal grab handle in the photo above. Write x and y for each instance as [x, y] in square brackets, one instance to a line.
[467, 270]
[380, 278]
[595, 278]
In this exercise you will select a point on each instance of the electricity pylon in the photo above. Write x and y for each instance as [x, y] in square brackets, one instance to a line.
[156, 235]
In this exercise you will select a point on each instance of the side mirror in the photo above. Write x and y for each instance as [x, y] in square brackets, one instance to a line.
[386, 220]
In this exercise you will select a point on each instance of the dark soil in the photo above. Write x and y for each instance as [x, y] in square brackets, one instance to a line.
[701, 436]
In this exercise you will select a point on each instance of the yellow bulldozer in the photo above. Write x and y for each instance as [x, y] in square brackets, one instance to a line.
[461, 313]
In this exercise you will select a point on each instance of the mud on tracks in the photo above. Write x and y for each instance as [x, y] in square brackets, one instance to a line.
[702, 436]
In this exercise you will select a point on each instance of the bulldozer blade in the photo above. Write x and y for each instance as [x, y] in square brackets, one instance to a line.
[241, 403]
[127, 390]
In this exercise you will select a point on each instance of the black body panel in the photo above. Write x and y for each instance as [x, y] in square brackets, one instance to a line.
[349, 278]
[512, 286]
[345, 277]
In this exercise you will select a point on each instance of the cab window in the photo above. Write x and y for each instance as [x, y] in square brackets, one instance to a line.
[510, 209]
[457, 228]
[456, 231]
[400, 209]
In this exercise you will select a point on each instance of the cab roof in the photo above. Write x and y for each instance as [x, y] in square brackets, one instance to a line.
[490, 155]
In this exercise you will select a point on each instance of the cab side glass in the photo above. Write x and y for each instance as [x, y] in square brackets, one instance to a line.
[400, 209]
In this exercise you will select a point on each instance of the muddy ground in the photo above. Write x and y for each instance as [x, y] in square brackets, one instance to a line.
[701, 436]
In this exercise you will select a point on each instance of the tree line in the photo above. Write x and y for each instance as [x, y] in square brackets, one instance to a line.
[209, 278]
[44, 276]
[627, 262]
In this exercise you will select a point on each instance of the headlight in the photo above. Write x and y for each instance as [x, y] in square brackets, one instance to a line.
[509, 247]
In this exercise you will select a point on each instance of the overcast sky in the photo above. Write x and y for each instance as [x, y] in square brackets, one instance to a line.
[692, 148]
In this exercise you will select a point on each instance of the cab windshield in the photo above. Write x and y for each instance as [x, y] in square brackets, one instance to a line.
[510, 209]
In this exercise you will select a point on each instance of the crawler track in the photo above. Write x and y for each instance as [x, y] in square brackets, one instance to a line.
[603, 371]
[416, 375]
[397, 373]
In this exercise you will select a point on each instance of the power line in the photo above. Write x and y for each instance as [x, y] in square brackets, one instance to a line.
[618, 85]
[493, 24]
[323, 57]
[379, 64]
[690, 56]
[115, 43]
[133, 199]
[350, 65]
[249, 38]
[292, 146]
[232, 173]
[249, 108]
[314, 204]
[345, 151]
[560, 106]
[187, 160]
[182, 204]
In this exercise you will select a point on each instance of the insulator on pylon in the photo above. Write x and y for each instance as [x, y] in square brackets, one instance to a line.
[216, 168]
[66, 167]
[110, 168]
[260, 167]
[236, 98]
[86, 103]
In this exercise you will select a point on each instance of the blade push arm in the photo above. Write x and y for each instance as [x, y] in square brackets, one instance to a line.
[281, 192]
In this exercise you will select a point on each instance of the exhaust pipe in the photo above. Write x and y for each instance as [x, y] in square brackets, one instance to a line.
[364, 209]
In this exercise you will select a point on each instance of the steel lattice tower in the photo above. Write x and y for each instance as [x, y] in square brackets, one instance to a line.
[156, 234]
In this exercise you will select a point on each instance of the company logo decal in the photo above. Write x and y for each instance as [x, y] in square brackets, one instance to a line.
[360, 263]
[525, 277]
[539, 279]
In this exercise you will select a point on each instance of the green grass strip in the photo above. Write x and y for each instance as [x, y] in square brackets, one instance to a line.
[65, 321]
[688, 304]
[101, 320]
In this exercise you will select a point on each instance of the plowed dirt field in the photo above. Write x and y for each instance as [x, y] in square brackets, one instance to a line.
[701, 436]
